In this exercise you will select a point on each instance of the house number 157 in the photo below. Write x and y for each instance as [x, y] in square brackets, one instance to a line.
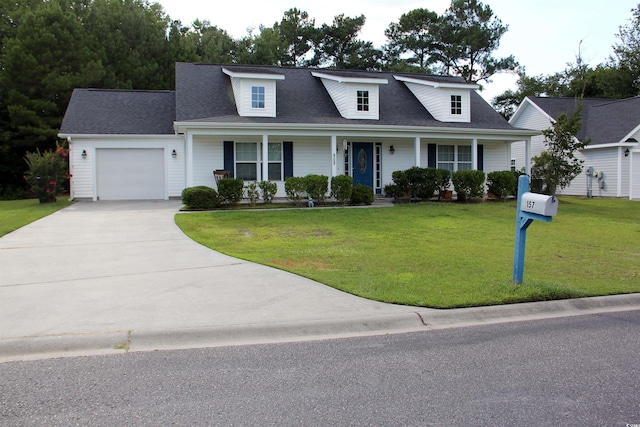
[530, 204]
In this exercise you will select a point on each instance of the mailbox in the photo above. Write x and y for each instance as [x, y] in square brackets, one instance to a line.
[539, 204]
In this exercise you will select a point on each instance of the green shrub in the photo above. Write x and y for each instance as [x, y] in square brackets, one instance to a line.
[501, 183]
[230, 190]
[469, 184]
[200, 198]
[295, 189]
[361, 194]
[252, 193]
[47, 173]
[443, 180]
[341, 187]
[402, 184]
[317, 186]
[392, 190]
[269, 190]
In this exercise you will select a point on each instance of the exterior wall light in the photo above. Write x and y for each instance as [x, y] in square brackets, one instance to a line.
[392, 149]
[84, 154]
[626, 152]
[174, 154]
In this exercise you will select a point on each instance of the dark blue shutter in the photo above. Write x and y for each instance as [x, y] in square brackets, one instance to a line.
[228, 157]
[432, 153]
[480, 157]
[287, 158]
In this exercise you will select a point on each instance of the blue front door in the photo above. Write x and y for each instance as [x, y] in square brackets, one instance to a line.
[362, 163]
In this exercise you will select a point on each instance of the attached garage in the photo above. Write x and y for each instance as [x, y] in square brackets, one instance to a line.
[130, 173]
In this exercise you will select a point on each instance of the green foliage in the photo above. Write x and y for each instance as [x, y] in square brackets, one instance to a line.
[295, 188]
[341, 187]
[557, 166]
[414, 33]
[230, 190]
[298, 34]
[253, 194]
[361, 195]
[200, 198]
[420, 183]
[502, 183]
[443, 180]
[316, 186]
[47, 173]
[269, 190]
[469, 184]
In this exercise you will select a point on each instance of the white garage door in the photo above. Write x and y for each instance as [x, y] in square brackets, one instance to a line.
[130, 173]
[635, 176]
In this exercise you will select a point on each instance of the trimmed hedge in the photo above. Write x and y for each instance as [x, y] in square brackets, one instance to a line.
[341, 188]
[295, 189]
[502, 183]
[469, 184]
[418, 183]
[361, 195]
[269, 190]
[200, 198]
[231, 190]
[316, 186]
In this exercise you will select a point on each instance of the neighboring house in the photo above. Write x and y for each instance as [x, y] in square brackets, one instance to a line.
[612, 157]
[300, 121]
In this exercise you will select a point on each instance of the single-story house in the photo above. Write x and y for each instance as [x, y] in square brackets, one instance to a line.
[152, 144]
[612, 156]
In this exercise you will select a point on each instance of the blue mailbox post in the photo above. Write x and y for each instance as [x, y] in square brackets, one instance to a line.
[531, 206]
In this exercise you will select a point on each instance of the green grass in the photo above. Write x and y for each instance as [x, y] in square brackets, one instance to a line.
[18, 213]
[440, 255]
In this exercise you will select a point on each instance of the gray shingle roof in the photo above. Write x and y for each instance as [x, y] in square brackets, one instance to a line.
[604, 121]
[302, 98]
[113, 112]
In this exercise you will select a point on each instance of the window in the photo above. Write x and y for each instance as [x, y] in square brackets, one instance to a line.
[363, 100]
[513, 165]
[446, 157]
[249, 168]
[464, 157]
[257, 96]
[247, 161]
[275, 161]
[455, 157]
[456, 104]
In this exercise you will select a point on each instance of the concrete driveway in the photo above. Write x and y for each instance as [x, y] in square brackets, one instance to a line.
[121, 276]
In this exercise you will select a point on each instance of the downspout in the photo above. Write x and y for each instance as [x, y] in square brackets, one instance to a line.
[71, 166]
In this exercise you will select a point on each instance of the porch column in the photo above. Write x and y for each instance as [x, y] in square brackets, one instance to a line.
[265, 158]
[189, 160]
[334, 149]
[474, 154]
[416, 148]
[527, 156]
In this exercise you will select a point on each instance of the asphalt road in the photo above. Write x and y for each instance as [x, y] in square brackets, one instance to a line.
[573, 371]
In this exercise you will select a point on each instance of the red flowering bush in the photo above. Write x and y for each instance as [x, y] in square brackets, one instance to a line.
[47, 172]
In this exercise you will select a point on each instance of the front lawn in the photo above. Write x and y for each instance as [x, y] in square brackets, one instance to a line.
[440, 255]
[18, 213]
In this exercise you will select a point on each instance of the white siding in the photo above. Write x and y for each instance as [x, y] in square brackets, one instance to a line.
[530, 118]
[344, 96]
[635, 174]
[438, 102]
[83, 181]
[208, 155]
[242, 94]
[338, 95]
[602, 160]
[495, 156]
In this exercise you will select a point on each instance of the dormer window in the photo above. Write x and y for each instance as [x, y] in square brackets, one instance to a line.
[254, 90]
[363, 100]
[257, 96]
[456, 104]
[354, 95]
[447, 99]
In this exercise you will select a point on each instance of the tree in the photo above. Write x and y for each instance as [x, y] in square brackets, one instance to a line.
[469, 34]
[202, 42]
[298, 34]
[340, 48]
[415, 32]
[627, 52]
[557, 166]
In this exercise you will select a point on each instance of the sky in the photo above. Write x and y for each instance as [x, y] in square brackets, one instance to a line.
[544, 35]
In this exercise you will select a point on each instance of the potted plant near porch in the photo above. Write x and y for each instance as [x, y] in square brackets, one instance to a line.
[47, 172]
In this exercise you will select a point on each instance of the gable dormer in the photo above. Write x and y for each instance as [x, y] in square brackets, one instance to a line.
[354, 97]
[445, 101]
[254, 91]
